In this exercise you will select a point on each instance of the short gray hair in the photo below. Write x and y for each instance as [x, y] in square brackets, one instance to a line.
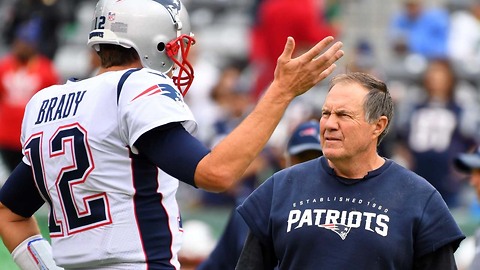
[378, 101]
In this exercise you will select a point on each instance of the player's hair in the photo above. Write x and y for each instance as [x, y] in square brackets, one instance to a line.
[378, 101]
[115, 55]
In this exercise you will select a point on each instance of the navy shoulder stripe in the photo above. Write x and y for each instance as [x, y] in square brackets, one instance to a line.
[122, 81]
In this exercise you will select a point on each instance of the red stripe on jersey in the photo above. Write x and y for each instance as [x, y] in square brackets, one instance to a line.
[155, 87]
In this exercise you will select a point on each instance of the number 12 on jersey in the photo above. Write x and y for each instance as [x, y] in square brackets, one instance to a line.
[70, 143]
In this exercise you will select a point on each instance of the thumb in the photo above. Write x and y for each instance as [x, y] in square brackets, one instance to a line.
[289, 47]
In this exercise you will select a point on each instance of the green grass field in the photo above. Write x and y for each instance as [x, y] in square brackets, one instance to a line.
[6, 262]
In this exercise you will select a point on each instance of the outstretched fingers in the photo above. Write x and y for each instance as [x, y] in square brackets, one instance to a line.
[324, 74]
[323, 63]
[298, 75]
[321, 59]
[288, 50]
[330, 56]
[317, 49]
[328, 64]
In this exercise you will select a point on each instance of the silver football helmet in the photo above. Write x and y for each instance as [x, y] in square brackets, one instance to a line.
[159, 30]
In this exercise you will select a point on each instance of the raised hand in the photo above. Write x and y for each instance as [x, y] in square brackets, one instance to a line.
[298, 75]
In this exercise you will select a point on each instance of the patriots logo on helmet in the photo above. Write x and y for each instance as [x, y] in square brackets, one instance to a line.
[173, 6]
[162, 89]
[340, 229]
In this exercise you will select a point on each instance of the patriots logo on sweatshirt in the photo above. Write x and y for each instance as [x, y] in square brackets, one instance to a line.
[340, 229]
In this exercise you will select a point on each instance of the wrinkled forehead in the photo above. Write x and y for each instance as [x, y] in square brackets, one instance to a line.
[346, 94]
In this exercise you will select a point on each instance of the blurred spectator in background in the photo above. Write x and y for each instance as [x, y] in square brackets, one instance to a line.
[231, 93]
[363, 58]
[199, 97]
[421, 30]
[276, 20]
[469, 163]
[23, 72]
[303, 145]
[433, 128]
[50, 16]
[464, 36]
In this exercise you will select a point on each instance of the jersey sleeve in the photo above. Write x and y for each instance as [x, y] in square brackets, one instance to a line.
[148, 100]
[437, 227]
[255, 210]
[166, 147]
[19, 193]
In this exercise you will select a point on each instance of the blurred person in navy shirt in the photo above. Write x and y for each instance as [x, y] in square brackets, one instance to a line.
[434, 126]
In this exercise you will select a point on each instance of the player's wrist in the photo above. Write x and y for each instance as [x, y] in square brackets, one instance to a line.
[33, 253]
[278, 93]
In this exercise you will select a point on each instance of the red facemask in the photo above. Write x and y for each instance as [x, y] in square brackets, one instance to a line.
[185, 76]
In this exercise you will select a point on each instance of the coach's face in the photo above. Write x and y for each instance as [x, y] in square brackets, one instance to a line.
[344, 132]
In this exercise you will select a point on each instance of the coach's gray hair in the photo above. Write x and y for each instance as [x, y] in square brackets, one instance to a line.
[378, 101]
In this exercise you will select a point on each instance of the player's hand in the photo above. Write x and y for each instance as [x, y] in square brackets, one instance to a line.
[296, 76]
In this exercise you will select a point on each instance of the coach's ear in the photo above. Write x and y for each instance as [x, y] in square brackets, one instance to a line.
[380, 125]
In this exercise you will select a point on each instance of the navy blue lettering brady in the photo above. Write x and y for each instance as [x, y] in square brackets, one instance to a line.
[59, 107]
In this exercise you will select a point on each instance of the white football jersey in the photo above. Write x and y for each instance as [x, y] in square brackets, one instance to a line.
[109, 205]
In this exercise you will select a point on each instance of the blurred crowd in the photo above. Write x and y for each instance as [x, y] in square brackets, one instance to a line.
[432, 67]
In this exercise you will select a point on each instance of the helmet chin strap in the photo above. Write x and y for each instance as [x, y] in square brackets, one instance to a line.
[178, 24]
[185, 76]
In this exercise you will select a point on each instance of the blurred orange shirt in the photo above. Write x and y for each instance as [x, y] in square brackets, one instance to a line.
[18, 83]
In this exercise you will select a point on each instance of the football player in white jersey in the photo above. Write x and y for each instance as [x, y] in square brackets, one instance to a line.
[106, 153]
